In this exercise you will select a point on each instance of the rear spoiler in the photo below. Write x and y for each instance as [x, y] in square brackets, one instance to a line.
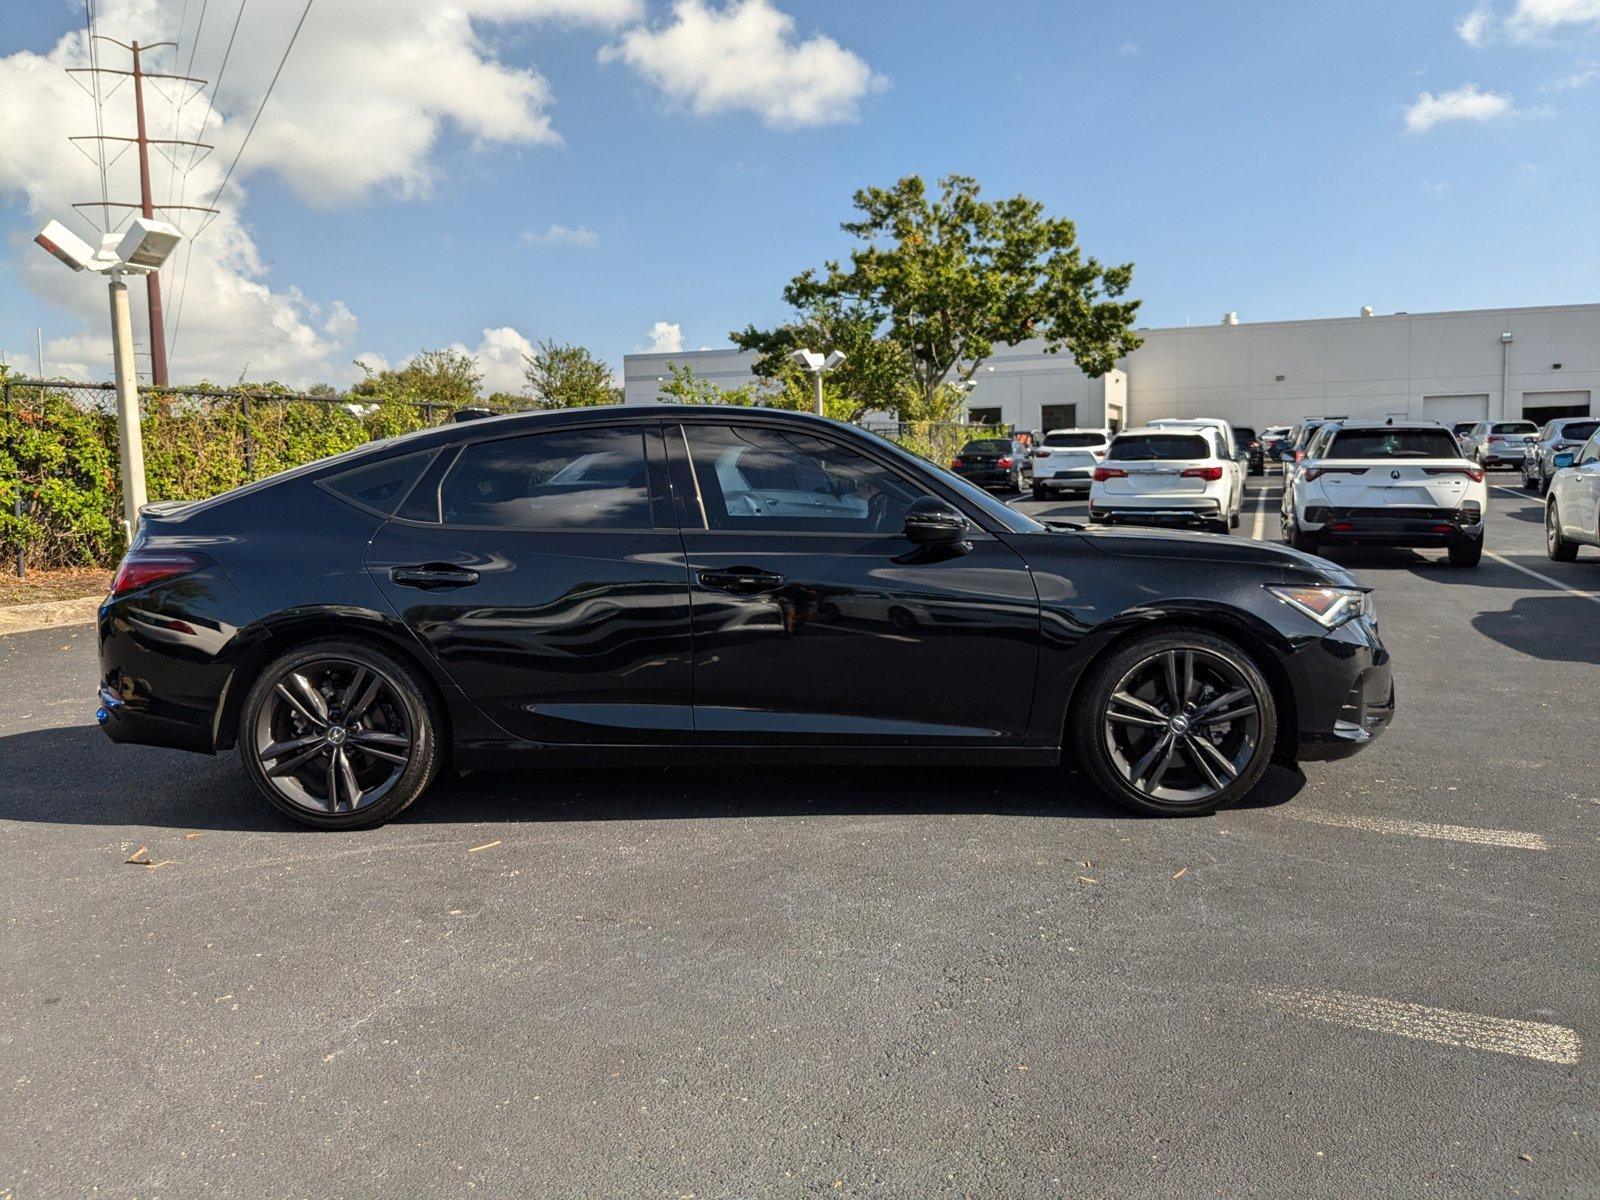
[164, 508]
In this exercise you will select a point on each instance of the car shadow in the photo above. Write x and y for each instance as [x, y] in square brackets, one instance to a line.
[74, 776]
[1553, 628]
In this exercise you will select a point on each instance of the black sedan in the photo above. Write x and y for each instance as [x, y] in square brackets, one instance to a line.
[995, 463]
[1255, 449]
[657, 584]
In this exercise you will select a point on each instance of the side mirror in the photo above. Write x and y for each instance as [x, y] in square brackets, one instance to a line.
[934, 522]
[1563, 460]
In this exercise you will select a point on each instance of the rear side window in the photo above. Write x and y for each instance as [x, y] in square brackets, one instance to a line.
[1393, 443]
[1159, 446]
[1074, 440]
[383, 485]
[1514, 427]
[574, 479]
[1577, 431]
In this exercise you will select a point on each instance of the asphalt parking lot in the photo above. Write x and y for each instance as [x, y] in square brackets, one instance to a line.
[1382, 978]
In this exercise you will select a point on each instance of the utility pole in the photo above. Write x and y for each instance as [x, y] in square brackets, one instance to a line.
[129, 433]
[146, 203]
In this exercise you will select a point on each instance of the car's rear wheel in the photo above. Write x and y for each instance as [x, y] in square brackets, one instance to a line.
[1038, 491]
[1528, 482]
[1466, 551]
[1556, 545]
[1299, 538]
[1175, 723]
[339, 735]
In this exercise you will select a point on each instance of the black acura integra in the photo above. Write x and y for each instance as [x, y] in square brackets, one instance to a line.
[711, 585]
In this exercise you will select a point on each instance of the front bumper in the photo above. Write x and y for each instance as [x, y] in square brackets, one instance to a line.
[1393, 526]
[1344, 692]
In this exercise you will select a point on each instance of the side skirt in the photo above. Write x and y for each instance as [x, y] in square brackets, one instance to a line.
[501, 756]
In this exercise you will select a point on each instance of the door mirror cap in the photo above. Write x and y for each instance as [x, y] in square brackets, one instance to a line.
[1564, 460]
[934, 522]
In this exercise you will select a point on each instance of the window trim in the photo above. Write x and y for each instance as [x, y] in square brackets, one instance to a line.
[654, 487]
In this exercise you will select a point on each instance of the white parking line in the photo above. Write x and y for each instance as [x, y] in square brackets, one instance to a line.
[1502, 1035]
[1541, 577]
[1260, 526]
[1450, 833]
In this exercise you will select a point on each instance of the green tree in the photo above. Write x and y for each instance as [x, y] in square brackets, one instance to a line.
[559, 375]
[874, 377]
[940, 280]
[449, 378]
[685, 387]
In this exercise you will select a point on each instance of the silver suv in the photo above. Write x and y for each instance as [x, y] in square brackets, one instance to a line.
[1557, 437]
[1498, 443]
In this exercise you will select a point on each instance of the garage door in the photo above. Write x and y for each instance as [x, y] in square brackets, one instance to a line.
[1451, 410]
[1547, 406]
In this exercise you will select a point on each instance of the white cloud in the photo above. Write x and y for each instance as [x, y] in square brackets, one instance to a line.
[363, 101]
[1465, 103]
[665, 338]
[1475, 27]
[562, 235]
[1534, 20]
[1128, 49]
[372, 361]
[499, 356]
[746, 56]
[1581, 78]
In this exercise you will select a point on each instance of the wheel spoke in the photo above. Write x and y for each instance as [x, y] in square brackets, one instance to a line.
[292, 764]
[1129, 700]
[355, 711]
[1186, 675]
[279, 749]
[1175, 692]
[333, 780]
[1192, 752]
[357, 678]
[303, 698]
[1216, 757]
[377, 751]
[1137, 719]
[348, 776]
[1160, 771]
[1221, 703]
[1140, 769]
[1233, 714]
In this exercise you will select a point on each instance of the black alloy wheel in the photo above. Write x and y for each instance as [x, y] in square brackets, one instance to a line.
[339, 735]
[1174, 723]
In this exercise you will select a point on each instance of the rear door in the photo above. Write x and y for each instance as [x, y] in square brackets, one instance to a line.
[819, 622]
[1154, 464]
[545, 572]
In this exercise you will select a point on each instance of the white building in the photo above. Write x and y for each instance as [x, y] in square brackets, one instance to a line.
[1535, 363]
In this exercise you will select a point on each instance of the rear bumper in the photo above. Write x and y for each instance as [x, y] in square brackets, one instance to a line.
[1072, 479]
[1392, 526]
[987, 476]
[1148, 509]
[1503, 458]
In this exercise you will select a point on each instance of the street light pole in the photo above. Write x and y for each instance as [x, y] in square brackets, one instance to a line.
[129, 435]
[818, 365]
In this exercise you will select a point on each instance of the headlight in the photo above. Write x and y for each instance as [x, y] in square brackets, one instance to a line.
[1329, 607]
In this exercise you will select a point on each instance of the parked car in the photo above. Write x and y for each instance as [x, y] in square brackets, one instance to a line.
[1572, 502]
[1557, 437]
[995, 463]
[1272, 440]
[1253, 448]
[1065, 461]
[1498, 443]
[1393, 483]
[1459, 431]
[450, 600]
[1169, 474]
[1293, 448]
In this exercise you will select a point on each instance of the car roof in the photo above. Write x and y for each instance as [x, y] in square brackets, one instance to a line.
[1366, 425]
[1162, 430]
[1079, 429]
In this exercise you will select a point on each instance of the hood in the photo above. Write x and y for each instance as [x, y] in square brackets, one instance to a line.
[1211, 547]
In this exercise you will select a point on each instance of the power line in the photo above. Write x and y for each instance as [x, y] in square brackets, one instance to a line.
[99, 116]
[221, 71]
[292, 39]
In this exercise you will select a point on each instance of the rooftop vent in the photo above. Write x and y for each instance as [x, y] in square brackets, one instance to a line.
[1366, 310]
[1230, 318]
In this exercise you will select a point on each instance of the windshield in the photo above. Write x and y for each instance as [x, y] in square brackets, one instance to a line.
[1393, 443]
[1514, 427]
[1146, 447]
[987, 446]
[1074, 439]
[1577, 431]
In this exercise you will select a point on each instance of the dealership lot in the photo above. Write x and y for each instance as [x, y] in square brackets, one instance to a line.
[1381, 977]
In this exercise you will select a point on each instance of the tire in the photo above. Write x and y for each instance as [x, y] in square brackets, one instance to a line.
[1039, 493]
[1541, 486]
[1527, 482]
[1114, 739]
[1556, 546]
[1219, 526]
[1465, 552]
[1298, 538]
[374, 768]
[1233, 519]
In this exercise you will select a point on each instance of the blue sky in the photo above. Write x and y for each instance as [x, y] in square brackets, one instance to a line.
[1255, 157]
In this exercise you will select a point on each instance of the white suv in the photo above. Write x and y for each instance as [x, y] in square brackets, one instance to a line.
[1181, 475]
[1401, 483]
[1065, 460]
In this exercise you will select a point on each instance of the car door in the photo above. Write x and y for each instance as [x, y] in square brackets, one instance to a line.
[1582, 520]
[545, 573]
[826, 625]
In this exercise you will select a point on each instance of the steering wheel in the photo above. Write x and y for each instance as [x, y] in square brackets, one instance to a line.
[877, 512]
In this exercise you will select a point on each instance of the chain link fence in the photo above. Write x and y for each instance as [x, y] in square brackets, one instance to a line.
[60, 485]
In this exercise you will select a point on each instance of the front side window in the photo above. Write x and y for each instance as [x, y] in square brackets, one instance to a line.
[581, 479]
[756, 478]
[1590, 453]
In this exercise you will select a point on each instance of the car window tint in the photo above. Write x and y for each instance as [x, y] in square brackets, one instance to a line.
[381, 486]
[1577, 431]
[574, 479]
[1161, 446]
[1074, 439]
[987, 446]
[1393, 443]
[1515, 427]
[755, 478]
[1244, 433]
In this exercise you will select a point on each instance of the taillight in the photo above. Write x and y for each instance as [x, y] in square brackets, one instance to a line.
[1004, 464]
[1101, 474]
[1318, 472]
[1495, 437]
[956, 464]
[143, 567]
[1473, 473]
[1211, 473]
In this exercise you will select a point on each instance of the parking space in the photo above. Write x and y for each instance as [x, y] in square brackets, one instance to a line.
[1379, 978]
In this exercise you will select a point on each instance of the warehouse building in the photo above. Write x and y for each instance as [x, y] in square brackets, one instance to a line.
[1533, 363]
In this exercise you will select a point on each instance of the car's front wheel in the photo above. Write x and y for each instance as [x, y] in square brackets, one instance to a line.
[340, 735]
[1556, 545]
[1179, 722]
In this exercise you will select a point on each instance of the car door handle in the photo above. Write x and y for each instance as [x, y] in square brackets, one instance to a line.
[743, 581]
[433, 575]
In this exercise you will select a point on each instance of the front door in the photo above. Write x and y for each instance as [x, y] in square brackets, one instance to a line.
[815, 620]
[546, 574]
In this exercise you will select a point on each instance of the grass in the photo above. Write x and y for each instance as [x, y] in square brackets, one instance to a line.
[66, 583]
